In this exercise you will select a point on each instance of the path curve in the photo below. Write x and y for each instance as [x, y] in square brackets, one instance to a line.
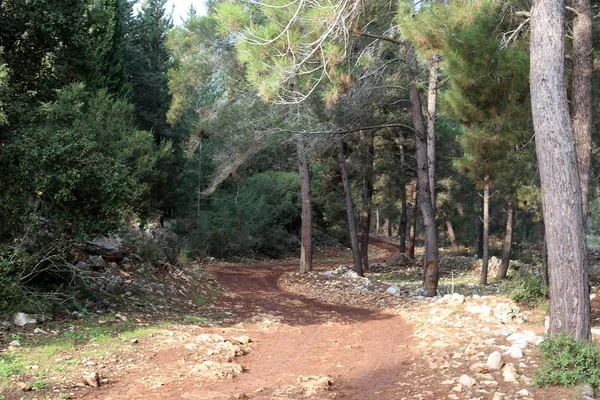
[366, 354]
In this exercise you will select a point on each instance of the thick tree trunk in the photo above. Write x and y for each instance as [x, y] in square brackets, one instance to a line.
[412, 232]
[545, 275]
[430, 275]
[450, 229]
[367, 144]
[508, 238]
[486, 232]
[557, 163]
[581, 96]
[306, 253]
[349, 209]
[431, 117]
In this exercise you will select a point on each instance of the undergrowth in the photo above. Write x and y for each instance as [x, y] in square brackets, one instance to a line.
[525, 287]
[569, 362]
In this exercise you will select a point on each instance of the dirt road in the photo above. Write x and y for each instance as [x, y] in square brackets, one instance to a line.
[364, 354]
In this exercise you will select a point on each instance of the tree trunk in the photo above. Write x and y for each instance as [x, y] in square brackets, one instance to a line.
[377, 222]
[412, 233]
[480, 237]
[306, 253]
[403, 221]
[349, 209]
[388, 226]
[545, 275]
[430, 275]
[557, 163]
[581, 96]
[508, 238]
[431, 117]
[486, 232]
[450, 229]
[367, 145]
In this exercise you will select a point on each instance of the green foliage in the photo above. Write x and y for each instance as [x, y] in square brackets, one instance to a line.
[259, 216]
[569, 362]
[10, 365]
[85, 167]
[525, 287]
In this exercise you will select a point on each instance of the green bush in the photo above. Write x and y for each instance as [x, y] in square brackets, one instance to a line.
[525, 287]
[569, 362]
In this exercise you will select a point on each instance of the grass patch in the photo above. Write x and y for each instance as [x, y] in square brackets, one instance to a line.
[11, 364]
[195, 319]
[568, 363]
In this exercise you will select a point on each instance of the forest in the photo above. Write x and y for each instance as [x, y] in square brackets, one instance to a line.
[268, 129]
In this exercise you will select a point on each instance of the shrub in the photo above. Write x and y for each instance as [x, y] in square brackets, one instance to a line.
[569, 362]
[525, 287]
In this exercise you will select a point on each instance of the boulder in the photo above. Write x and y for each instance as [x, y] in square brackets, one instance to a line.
[22, 319]
[116, 284]
[111, 247]
[495, 361]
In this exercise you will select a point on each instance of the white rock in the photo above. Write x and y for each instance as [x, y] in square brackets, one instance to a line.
[481, 310]
[467, 381]
[22, 319]
[516, 337]
[393, 290]
[509, 373]
[514, 352]
[498, 396]
[15, 343]
[40, 331]
[524, 392]
[495, 361]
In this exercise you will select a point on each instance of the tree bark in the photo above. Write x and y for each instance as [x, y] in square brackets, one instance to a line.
[412, 233]
[367, 144]
[430, 275]
[388, 226]
[508, 238]
[349, 209]
[377, 223]
[557, 163]
[306, 253]
[486, 232]
[403, 221]
[450, 229]
[431, 117]
[581, 94]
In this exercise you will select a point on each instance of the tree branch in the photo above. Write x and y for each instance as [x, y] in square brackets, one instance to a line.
[384, 38]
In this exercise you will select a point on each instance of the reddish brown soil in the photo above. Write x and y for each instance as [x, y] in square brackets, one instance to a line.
[366, 354]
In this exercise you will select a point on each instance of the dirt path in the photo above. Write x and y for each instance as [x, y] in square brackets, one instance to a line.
[364, 354]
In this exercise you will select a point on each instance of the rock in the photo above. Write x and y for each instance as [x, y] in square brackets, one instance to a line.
[312, 385]
[96, 263]
[495, 361]
[116, 284]
[452, 396]
[25, 387]
[92, 379]
[40, 331]
[480, 368]
[483, 311]
[209, 338]
[341, 270]
[524, 392]
[22, 319]
[226, 350]
[109, 247]
[213, 370]
[393, 290]
[15, 343]
[242, 339]
[498, 396]
[588, 391]
[467, 381]
[239, 396]
[507, 313]
[509, 373]
[514, 352]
